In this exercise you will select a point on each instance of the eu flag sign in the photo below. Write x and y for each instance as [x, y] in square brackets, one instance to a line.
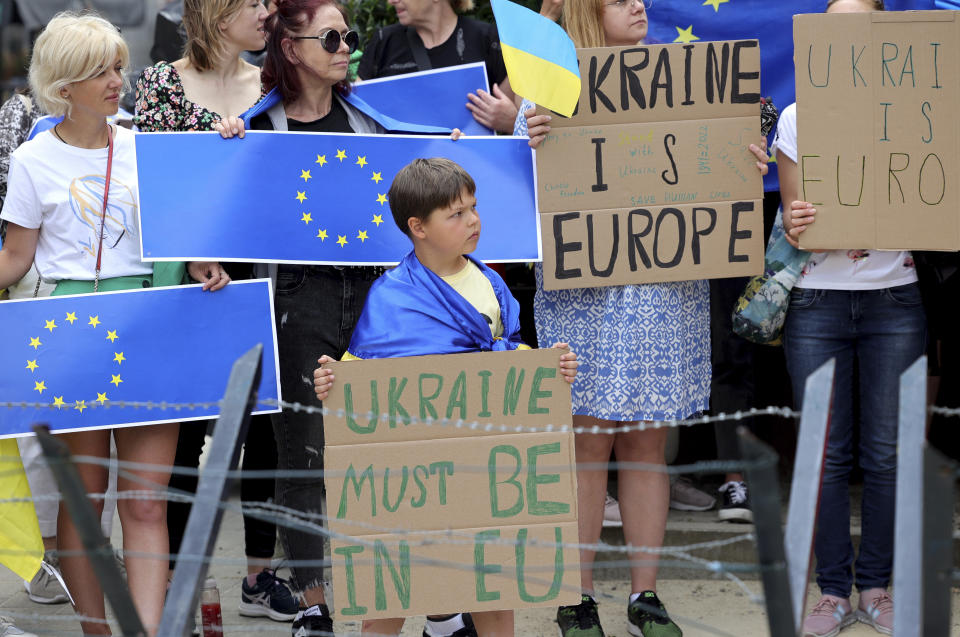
[437, 97]
[80, 355]
[318, 198]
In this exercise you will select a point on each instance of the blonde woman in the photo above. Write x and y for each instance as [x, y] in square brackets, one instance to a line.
[208, 89]
[644, 356]
[77, 72]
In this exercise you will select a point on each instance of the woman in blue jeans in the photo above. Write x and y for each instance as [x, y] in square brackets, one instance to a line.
[862, 308]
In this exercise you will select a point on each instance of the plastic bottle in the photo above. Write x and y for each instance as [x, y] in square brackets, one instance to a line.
[210, 616]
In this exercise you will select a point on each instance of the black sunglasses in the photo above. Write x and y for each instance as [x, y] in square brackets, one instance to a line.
[330, 40]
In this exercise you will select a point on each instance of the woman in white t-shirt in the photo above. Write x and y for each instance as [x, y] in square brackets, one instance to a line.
[862, 308]
[55, 213]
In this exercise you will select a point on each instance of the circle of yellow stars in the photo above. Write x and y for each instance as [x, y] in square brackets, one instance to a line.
[36, 370]
[375, 176]
[686, 36]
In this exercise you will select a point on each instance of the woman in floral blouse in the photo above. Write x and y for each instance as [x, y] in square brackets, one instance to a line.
[208, 89]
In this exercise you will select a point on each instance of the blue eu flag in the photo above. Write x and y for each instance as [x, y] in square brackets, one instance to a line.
[79, 355]
[318, 198]
[769, 21]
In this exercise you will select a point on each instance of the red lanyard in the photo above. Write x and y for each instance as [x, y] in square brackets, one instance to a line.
[106, 192]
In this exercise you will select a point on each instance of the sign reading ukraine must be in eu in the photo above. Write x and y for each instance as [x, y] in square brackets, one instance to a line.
[437, 518]
[317, 197]
[652, 179]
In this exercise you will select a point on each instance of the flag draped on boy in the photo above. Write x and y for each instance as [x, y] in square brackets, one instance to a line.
[410, 311]
[21, 547]
[540, 57]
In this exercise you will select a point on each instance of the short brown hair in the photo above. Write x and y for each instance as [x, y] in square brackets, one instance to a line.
[424, 185]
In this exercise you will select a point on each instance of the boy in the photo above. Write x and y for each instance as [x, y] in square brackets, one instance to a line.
[438, 300]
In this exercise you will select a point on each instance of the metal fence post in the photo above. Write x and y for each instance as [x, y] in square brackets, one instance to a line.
[939, 473]
[908, 528]
[761, 475]
[87, 522]
[206, 512]
[805, 485]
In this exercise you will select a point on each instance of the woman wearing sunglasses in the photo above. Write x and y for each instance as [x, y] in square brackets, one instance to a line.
[208, 89]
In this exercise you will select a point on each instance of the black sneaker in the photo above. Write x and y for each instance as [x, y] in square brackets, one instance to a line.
[468, 630]
[581, 620]
[647, 617]
[269, 597]
[317, 624]
[736, 503]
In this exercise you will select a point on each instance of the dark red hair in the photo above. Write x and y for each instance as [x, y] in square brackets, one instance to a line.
[285, 22]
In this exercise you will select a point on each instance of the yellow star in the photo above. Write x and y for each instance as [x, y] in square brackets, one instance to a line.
[381, 199]
[341, 155]
[322, 235]
[305, 175]
[321, 159]
[377, 219]
[102, 398]
[715, 4]
[116, 379]
[685, 35]
[39, 386]
[35, 342]
[94, 320]
[112, 335]
[71, 317]
[32, 365]
[301, 196]
[306, 218]
[362, 235]
[58, 402]
[361, 161]
[118, 357]
[80, 405]
[377, 177]
[49, 326]
[342, 240]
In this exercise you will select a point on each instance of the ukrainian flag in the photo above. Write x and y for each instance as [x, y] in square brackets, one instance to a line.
[21, 547]
[541, 58]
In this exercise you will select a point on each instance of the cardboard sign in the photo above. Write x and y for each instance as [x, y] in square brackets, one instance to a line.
[435, 518]
[660, 132]
[878, 142]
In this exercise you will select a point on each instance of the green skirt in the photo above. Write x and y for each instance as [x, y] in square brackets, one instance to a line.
[164, 274]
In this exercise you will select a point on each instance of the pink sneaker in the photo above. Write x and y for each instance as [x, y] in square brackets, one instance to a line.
[876, 609]
[831, 615]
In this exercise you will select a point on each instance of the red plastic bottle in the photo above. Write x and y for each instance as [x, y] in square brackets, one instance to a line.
[210, 616]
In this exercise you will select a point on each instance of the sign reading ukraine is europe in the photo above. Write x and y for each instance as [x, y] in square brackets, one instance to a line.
[73, 362]
[317, 197]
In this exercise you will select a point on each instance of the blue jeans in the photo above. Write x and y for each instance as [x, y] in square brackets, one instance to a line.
[317, 308]
[883, 332]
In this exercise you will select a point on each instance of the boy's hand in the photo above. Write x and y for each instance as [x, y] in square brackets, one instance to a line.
[323, 378]
[568, 362]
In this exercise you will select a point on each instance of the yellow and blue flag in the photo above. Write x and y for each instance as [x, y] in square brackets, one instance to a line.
[769, 22]
[79, 356]
[317, 197]
[540, 57]
[21, 547]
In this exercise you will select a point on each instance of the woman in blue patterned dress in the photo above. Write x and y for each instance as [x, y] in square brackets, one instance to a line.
[644, 356]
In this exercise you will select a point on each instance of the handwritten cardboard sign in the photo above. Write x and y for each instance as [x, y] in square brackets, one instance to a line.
[876, 128]
[652, 178]
[436, 518]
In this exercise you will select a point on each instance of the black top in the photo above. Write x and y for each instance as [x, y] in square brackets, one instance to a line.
[388, 52]
[333, 122]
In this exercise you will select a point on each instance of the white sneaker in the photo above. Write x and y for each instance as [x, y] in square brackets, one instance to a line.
[7, 629]
[611, 512]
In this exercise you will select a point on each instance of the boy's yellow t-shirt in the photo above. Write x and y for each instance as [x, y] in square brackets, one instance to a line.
[476, 288]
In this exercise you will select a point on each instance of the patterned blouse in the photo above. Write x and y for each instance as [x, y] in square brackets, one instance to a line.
[162, 104]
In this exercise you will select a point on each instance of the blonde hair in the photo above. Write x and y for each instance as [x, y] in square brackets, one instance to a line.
[201, 19]
[583, 22]
[459, 6]
[73, 47]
